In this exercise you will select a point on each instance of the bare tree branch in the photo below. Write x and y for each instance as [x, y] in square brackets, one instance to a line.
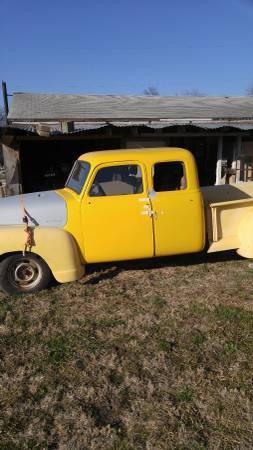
[193, 92]
[151, 90]
[250, 90]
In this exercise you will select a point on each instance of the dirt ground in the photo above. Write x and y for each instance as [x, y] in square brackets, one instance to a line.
[153, 354]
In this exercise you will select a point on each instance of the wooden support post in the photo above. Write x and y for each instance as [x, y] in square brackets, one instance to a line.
[5, 99]
[67, 127]
[219, 160]
[43, 129]
[235, 175]
[238, 148]
[12, 170]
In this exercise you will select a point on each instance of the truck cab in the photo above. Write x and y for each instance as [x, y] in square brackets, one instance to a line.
[135, 204]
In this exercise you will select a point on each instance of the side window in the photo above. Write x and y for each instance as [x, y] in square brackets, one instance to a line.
[169, 176]
[117, 180]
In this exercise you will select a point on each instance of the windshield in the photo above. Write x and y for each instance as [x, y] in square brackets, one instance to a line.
[78, 176]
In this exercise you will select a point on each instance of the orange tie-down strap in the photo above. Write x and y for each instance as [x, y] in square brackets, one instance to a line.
[29, 241]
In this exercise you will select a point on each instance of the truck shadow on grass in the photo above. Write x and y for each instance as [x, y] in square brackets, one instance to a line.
[103, 271]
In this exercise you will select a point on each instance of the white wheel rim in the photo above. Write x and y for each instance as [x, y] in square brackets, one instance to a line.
[25, 273]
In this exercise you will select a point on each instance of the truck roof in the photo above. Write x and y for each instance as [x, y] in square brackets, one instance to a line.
[103, 156]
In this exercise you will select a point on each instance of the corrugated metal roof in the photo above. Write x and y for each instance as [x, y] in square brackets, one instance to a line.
[230, 124]
[82, 127]
[52, 107]
[160, 125]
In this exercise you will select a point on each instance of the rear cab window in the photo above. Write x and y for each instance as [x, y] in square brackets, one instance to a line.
[169, 176]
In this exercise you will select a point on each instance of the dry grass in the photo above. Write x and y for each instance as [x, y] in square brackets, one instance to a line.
[146, 355]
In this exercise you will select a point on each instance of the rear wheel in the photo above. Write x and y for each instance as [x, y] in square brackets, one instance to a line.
[24, 274]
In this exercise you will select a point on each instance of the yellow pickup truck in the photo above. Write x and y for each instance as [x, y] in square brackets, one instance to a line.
[119, 205]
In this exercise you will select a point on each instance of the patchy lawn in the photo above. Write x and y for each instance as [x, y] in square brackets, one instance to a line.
[145, 355]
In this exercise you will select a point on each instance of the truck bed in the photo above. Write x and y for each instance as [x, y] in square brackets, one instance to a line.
[225, 208]
[227, 192]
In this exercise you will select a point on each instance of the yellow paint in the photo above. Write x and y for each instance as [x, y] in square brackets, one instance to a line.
[229, 222]
[226, 207]
[179, 225]
[114, 227]
[120, 227]
[55, 246]
[245, 234]
[74, 220]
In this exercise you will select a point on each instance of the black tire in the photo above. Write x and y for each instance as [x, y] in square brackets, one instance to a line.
[24, 274]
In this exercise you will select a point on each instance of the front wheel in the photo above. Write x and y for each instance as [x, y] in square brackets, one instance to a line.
[24, 274]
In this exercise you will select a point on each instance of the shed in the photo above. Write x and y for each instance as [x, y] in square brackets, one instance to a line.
[47, 132]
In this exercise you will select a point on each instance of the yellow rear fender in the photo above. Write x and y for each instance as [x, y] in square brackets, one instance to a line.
[54, 245]
[245, 234]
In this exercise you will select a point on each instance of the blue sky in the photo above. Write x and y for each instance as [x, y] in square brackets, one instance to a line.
[121, 47]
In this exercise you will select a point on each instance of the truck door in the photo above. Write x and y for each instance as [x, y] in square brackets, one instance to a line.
[176, 208]
[116, 217]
